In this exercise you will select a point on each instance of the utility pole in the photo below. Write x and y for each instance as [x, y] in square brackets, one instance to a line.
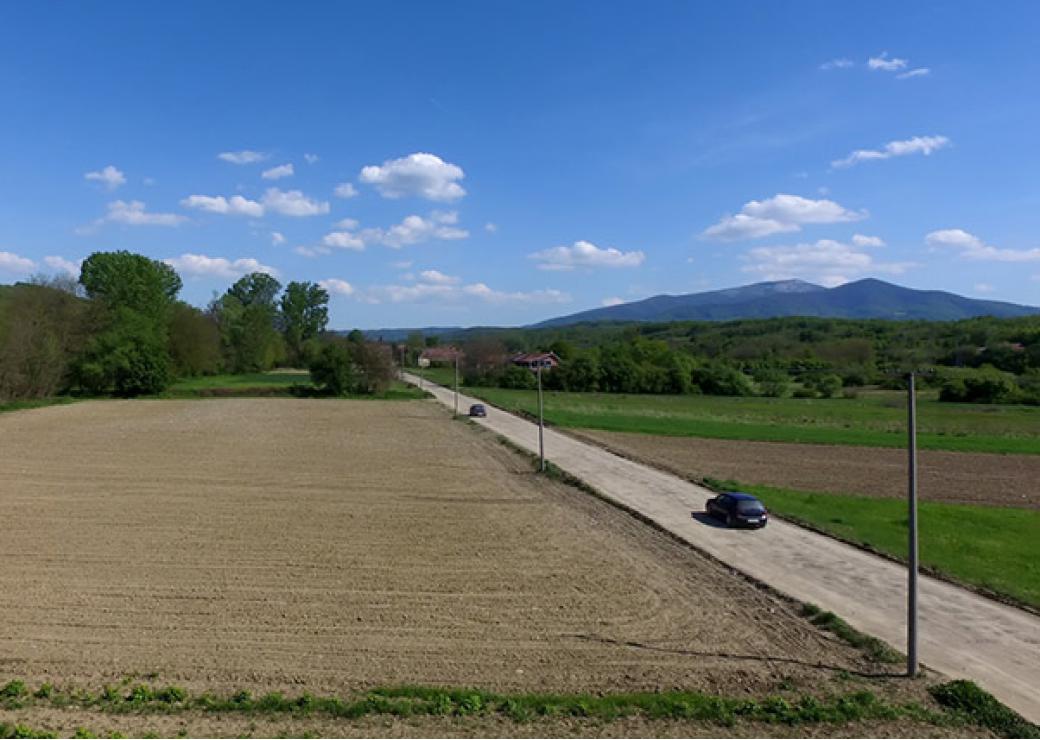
[456, 383]
[911, 627]
[541, 422]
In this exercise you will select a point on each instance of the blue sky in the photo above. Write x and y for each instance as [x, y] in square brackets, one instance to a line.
[501, 163]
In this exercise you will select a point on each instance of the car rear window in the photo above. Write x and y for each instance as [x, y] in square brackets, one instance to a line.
[750, 507]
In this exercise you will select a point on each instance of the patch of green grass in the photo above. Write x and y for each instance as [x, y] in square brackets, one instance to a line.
[875, 419]
[406, 701]
[994, 548]
[873, 647]
[35, 403]
[273, 384]
[983, 709]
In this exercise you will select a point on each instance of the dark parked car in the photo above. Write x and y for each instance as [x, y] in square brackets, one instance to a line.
[477, 409]
[738, 510]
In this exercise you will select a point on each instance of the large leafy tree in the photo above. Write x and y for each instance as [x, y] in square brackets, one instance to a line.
[247, 315]
[304, 315]
[131, 297]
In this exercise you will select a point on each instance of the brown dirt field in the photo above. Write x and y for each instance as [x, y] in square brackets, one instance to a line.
[950, 477]
[326, 546]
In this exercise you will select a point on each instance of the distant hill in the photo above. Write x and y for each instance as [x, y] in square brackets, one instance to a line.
[863, 299]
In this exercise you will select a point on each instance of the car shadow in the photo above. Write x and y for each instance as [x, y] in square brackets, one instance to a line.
[708, 521]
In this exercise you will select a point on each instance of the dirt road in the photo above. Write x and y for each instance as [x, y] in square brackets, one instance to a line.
[962, 634]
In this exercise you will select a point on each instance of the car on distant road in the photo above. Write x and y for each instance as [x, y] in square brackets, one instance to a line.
[738, 509]
[477, 409]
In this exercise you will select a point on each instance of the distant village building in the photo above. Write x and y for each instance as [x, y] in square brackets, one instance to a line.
[445, 355]
[534, 360]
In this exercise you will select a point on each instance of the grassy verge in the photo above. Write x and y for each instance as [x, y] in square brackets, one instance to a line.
[876, 419]
[262, 385]
[410, 701]
[992, 548]
[35, 404]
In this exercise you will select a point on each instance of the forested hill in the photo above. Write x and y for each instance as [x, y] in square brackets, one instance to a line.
[863, 299]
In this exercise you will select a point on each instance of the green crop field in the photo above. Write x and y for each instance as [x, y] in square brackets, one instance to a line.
[987, 546]
[875, 418]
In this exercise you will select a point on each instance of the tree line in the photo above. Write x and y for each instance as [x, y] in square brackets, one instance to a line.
[983, 360]
[120, 330]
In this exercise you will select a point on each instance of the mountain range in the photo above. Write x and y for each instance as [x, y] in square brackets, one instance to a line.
[863, 299]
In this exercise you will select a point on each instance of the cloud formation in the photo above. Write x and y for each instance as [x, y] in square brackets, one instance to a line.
[972, 247]
[110, 177]
[337, 286]
[293, 203]
[236, 205]
[883, 63]
[202, 266]
[276, 173]
[925, 145]
[825, 261]
[245, 156]
[16, 264]
[585, 254]
[840, 63]
[421, 175]
[782, 213]
[63, 265]
[345, 190]
[133, 213]
[919, 72]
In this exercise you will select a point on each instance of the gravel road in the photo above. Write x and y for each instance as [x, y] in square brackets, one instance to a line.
[961, 634]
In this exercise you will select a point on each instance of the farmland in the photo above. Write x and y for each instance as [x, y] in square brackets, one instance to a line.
[333, 547]
[875, 419]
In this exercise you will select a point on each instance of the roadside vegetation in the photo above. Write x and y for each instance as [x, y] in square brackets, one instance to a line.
[992, 548]
[876, 419]
[958, 704]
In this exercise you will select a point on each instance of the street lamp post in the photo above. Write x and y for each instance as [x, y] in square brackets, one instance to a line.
[541, 422]
[911, 627]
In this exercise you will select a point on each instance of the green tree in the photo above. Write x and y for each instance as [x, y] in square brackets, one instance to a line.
[247, 315]
[304, 315]
[194, 341]
[131, 300]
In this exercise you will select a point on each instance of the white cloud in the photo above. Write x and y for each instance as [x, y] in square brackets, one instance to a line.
[413, 229]
[438, 278]
[134, 213]
[310, 158]
[780, 214]
[277, 238]
[336, 286]
[13, 263]
[401, 264]
[312, 251]
[293, 203]
[276, 173]
[612, 301]
[345, 190]
[585, 254]
[245, 156]
[349, 224]
[63, 265]
[825, 261]
[110, 177]
[917, 145]
[860, 240]
[424, 292]
[490, 227]
[840, 63]
[973, 248]
[984, 288]
[236, 205]
[199, 265]
[919, 72]
[885, 64]
[421, 174]
[343, 240]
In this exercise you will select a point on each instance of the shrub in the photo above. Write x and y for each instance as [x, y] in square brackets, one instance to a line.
[717, 379]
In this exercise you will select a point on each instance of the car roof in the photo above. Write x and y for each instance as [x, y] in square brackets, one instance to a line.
[741, 496]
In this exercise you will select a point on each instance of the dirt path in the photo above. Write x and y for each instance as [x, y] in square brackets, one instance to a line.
[326, 546]
[950, 477]
[962, 634]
